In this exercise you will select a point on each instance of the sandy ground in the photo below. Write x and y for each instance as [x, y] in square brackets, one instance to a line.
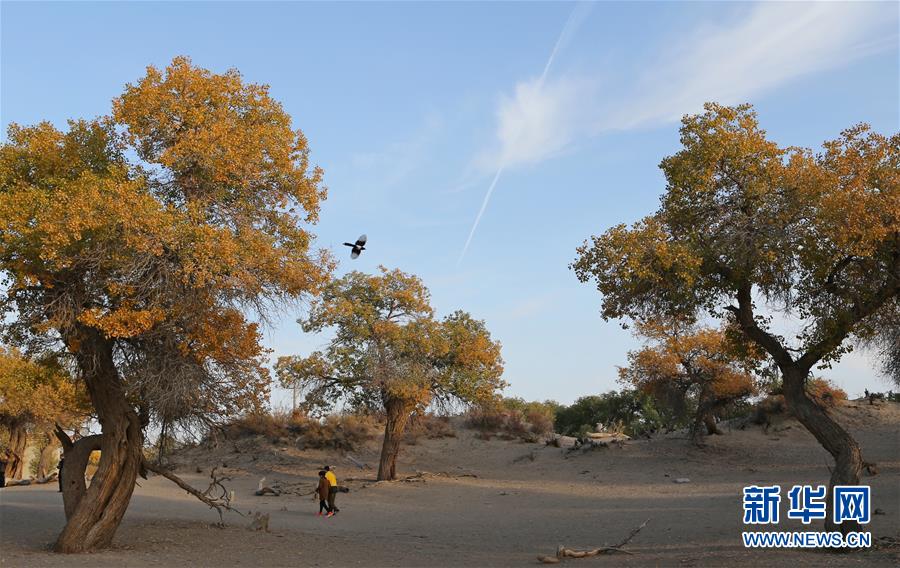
[526, 500]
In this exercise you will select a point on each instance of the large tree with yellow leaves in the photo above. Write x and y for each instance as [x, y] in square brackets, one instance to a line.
[34, 394]
[138, 242]
[389, 354]
[745, 223]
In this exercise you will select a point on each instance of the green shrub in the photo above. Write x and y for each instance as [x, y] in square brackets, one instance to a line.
[628, 411]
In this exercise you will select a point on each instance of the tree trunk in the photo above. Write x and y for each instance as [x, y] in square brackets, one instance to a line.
[398, 412]
[47, 461]
[837, 441]
[75, 462]
[161, 443]
[705, 420]
[94, 515]
[18, 445]
[712, 427]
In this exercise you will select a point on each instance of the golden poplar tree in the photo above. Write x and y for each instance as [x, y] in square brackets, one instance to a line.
[138, 242]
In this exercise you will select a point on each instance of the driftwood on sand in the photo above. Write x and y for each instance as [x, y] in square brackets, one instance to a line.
[356, 462]
[263, 489]
[562, 552]
[219, 503]
[47, 479]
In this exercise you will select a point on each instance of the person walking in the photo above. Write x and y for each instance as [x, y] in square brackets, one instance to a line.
[332, 490]
[324, 491]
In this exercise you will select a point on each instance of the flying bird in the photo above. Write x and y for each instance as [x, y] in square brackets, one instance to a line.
[357, 247]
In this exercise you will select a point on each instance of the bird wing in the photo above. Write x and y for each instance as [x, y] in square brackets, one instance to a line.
[361, 241]
[354, 253]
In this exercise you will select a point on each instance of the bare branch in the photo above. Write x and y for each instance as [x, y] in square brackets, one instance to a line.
[218, 504]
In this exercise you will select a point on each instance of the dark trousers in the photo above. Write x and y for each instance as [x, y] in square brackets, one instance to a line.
[323, 506]
[332, 492]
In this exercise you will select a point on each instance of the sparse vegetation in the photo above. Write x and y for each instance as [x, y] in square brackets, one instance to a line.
[825, 392]
[335, 431]
[428, 425]
[513, 418]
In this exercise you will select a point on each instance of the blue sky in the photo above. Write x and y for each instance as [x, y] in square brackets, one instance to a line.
[412, 108]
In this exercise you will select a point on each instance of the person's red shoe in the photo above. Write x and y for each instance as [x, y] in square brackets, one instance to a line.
[319, 513]
[330, 514]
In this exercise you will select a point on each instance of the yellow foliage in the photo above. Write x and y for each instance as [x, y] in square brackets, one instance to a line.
[162, 254]
[37, 392]
[683, 358]
[388, 348]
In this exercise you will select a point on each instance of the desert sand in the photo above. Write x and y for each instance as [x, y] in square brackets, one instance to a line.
[494, 503]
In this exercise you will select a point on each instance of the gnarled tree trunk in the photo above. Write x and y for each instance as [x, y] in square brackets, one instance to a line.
[47, 460]
[838, 442]
[18, 445]
[398, 412]
[712, 427]
[75, 461]
[94, 514]
[705, 420]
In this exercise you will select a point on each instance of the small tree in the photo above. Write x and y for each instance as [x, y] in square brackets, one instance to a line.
[705, 367]
[34, 394]
[743, 221]
[136, 244]
[389, 354]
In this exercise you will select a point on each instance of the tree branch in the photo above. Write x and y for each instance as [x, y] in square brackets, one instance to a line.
[845, 322]
[64, 438]
[747, 320]
[213, 503]
[563, 552]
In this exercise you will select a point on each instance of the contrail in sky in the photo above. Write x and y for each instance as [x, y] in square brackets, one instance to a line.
[576, 17]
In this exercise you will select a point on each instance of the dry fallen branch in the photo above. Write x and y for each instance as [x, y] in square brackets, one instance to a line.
[421, 475]
[563, 552]
[263, 489]
[52, 477]
[356, 462]
[298, 489]
[218, 503]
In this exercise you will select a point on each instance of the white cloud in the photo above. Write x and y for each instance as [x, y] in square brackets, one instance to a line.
[761, 48]
[537, 121]
[769, 46]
